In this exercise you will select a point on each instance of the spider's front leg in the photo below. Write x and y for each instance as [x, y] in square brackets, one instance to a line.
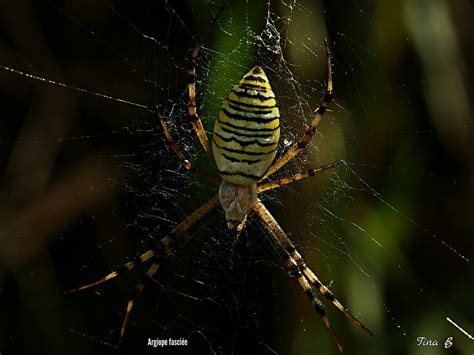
[192, 107]
[322, 108]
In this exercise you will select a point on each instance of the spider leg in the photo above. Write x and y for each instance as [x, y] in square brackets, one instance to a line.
[192, 109]
[181, 156]
[288, 251]
[276, 184]
[192, 112]
[322, 108]
[315, 301]
[295, 269]
[136, 291]
[166, 245]
[163, 247]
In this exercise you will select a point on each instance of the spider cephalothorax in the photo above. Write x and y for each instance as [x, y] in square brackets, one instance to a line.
[237, 201]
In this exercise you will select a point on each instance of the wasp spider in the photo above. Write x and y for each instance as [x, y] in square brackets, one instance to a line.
[244, 144]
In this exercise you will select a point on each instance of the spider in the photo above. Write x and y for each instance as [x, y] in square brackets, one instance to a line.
[244, 145]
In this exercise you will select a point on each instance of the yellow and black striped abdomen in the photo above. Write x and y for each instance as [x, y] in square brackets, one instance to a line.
[247, 130]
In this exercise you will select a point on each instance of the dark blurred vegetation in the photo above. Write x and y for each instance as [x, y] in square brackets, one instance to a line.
[70, 208]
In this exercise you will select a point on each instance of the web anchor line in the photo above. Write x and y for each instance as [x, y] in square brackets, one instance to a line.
[72, 87]
[378, 196]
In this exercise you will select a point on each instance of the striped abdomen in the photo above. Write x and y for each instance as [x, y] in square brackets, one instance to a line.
[247, 130]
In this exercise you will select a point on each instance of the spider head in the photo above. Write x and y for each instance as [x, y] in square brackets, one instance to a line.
[237, 201]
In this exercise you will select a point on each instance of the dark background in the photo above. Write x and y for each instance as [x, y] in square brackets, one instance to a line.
[86, 181]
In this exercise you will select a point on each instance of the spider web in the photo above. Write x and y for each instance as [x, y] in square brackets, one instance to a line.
[89, 179]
